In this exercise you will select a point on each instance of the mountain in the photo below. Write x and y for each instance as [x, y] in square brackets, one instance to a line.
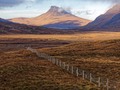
[109, 17]
[4, 21]
[8, 27]
[55, 17]
[113, 23]
[5, 26]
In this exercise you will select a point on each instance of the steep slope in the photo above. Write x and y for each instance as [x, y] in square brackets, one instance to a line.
[113, 23]
[55, 18]
[100, 21]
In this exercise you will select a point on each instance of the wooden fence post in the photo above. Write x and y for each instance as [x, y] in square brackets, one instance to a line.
[107, 84]
[60, 64]
[99, 82]
[90, 77]
[49, 58]
[63, 65]
[54, 60]
[77, 72]
[68, 67]
[27, 48]
[83, 74]
[72, 70]
[57, 62]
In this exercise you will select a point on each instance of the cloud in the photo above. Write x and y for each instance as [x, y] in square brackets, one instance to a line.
[10, 3]
[68, 9]
[85, 12]
[115, 1]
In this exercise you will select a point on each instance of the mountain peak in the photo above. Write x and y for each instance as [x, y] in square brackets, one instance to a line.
[54, 10]
[55, 17]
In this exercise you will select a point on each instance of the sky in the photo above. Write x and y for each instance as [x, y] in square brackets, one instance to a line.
[88, 9]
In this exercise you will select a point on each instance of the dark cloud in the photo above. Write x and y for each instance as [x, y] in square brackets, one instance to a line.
[10, 3]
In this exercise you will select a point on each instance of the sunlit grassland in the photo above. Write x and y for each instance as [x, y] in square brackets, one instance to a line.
[90, 36]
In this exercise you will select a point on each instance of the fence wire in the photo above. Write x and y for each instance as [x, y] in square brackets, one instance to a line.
[103, 83]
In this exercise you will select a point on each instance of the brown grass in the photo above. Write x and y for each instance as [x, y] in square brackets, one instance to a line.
[102, 58]
[23, 70]
[90, 36]
[18, 44]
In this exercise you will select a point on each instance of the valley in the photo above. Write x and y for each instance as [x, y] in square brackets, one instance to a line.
[94, 52]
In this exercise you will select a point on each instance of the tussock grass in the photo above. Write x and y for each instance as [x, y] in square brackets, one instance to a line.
[102, 58]
[23, 70]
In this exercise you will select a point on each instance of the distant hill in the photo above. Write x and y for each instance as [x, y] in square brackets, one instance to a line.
[4, 21]
[8, 27]
[109, 20]
[55, 17]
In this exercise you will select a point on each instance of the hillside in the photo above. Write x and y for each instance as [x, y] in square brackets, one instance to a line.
[7, 27]
[113, 23]
[55, 17]
[23, 70]
[103, 21]
[4, 21]
[102, 58]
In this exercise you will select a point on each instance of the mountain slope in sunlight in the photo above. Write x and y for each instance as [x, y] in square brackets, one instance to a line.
[55, 18]
[8, 27]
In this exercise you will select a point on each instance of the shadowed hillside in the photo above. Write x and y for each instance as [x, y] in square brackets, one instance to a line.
[106, 22]
[7, 27]
[113, 23]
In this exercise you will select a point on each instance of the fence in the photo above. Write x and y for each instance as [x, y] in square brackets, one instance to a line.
[102, 83]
